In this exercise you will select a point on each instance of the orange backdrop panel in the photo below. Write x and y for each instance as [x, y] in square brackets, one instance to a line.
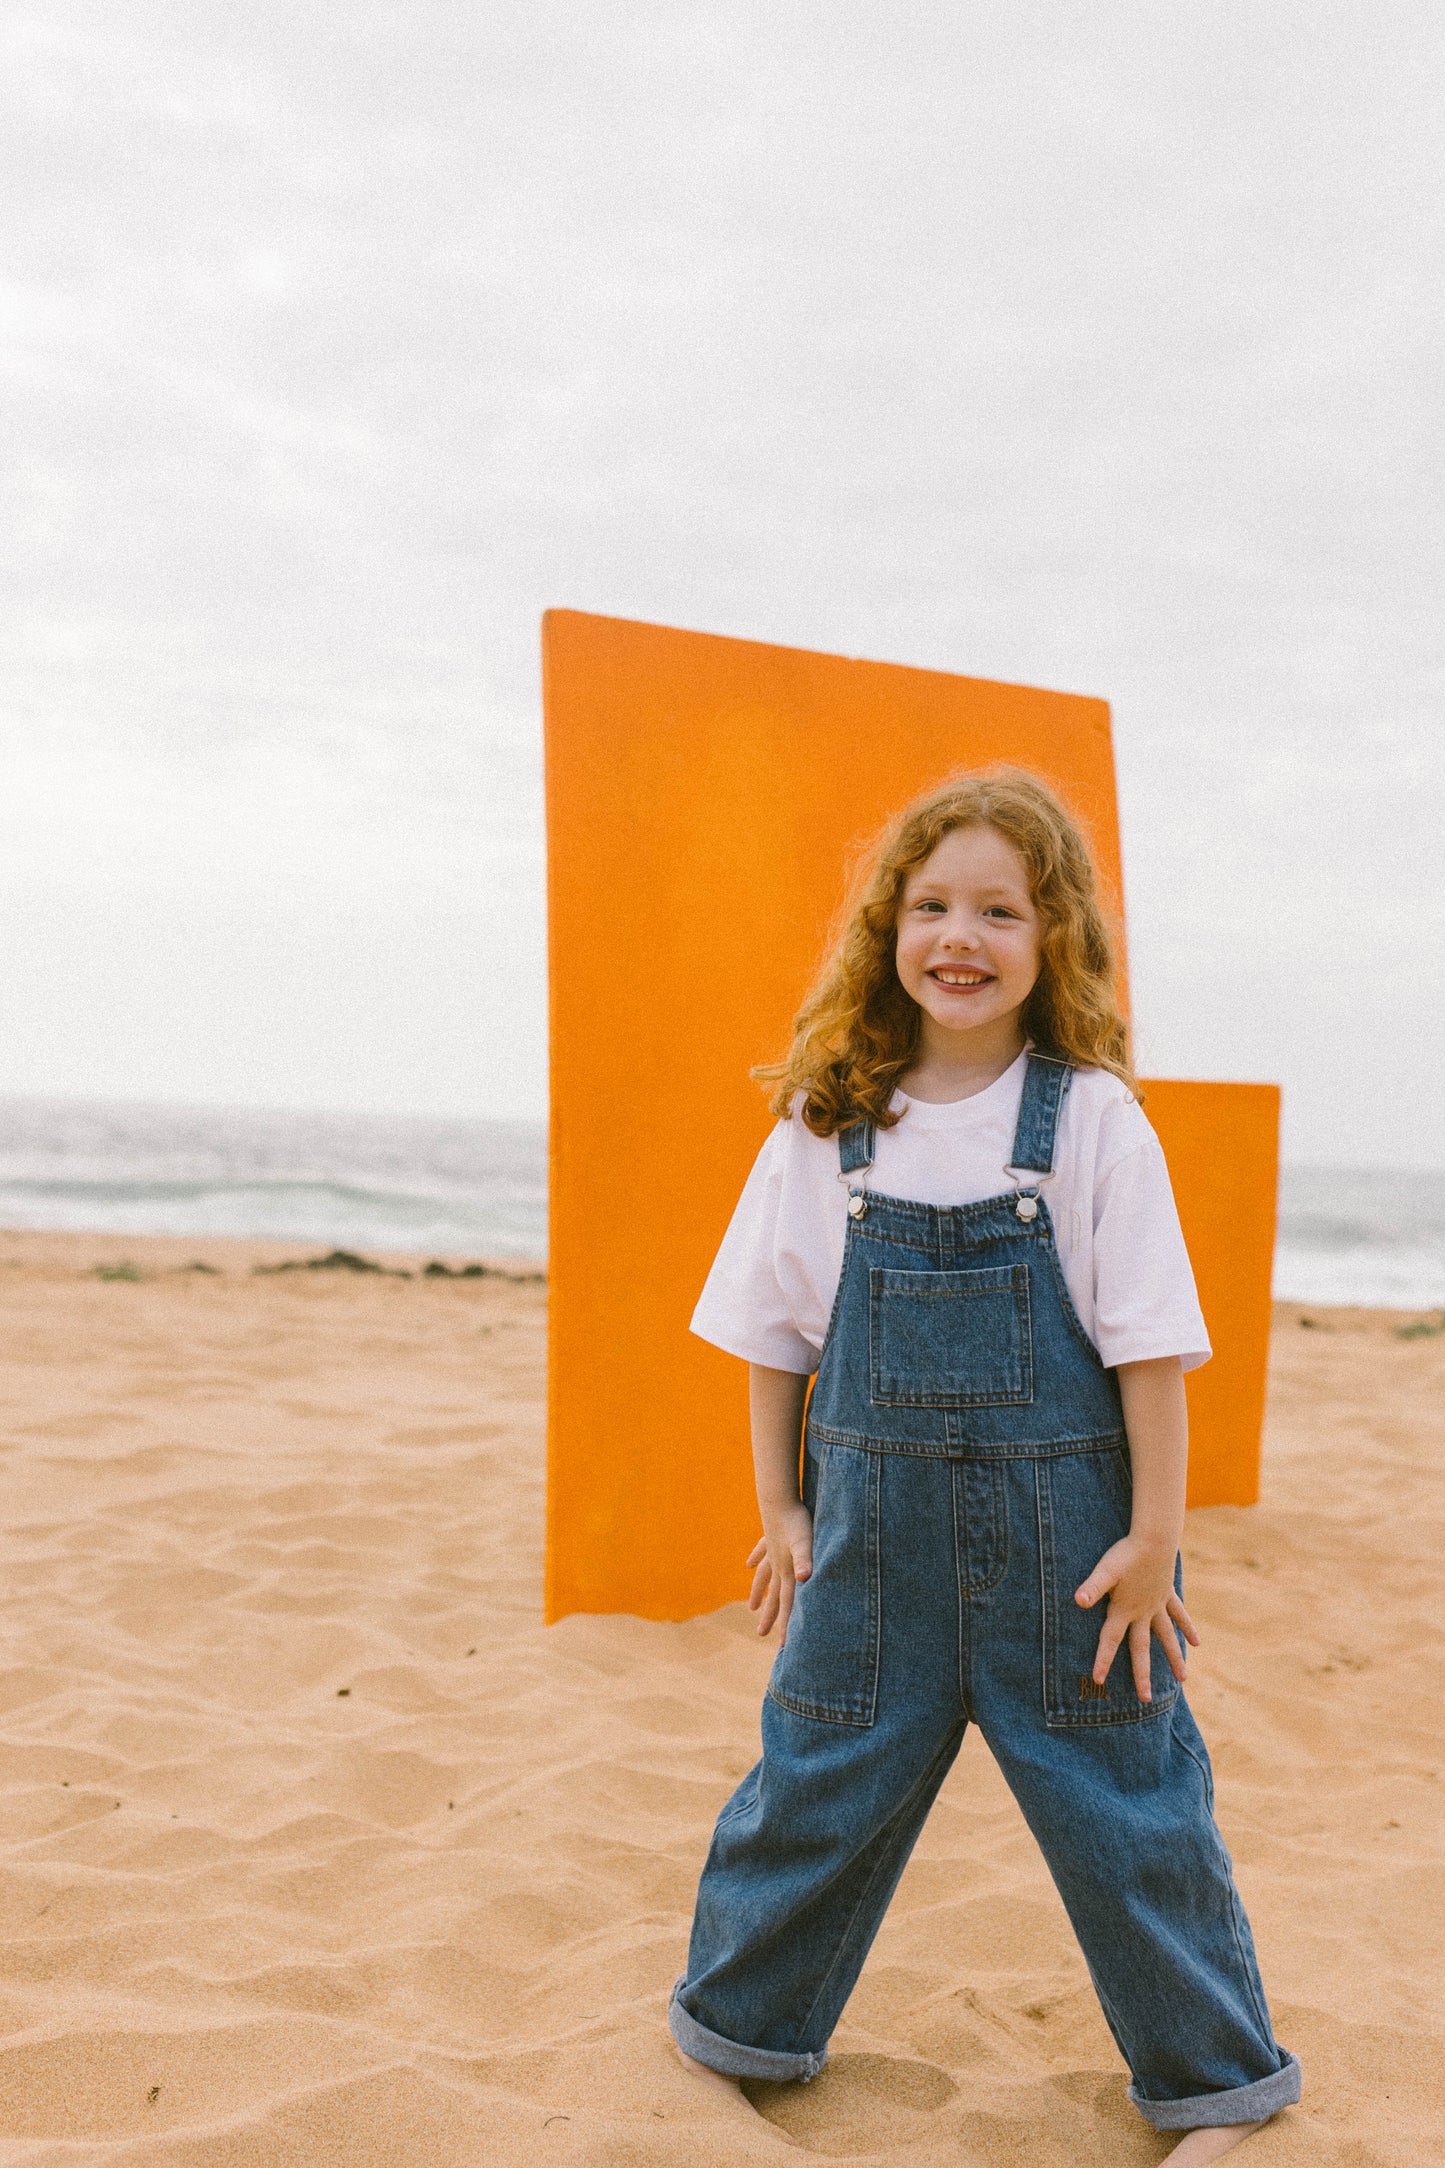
[703, 796]
[1222, 1145]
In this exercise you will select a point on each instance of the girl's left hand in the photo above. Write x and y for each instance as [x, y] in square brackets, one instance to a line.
[1138, 1579]
[782, 1559]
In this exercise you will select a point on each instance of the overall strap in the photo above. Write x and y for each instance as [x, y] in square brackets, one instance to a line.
[855, 1147]
[1045, 1081]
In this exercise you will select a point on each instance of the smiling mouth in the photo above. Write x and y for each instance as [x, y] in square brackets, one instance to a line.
[961, 982]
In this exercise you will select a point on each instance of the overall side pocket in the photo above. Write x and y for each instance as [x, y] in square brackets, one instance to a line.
[828, 1666]
[1084, 1505]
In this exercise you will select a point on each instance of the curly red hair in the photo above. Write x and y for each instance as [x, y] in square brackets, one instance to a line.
[857, 1031]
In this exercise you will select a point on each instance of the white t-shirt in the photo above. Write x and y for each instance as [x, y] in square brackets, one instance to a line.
[770, 1292]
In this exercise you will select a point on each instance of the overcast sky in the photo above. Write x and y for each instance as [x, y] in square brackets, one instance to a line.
[1094, 347]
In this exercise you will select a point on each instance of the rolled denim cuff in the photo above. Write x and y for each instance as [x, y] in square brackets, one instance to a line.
[730, 2056]
[1243, 2104]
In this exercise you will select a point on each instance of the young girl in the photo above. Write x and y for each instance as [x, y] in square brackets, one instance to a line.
[964, 1225]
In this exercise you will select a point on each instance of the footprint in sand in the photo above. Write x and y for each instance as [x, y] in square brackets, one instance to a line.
[859, 2104]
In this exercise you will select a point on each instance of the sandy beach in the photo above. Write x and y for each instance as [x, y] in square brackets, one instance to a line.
[319, 1849]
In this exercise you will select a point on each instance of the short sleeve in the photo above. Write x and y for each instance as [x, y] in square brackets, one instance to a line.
[743, 1308]
[1145, 1302]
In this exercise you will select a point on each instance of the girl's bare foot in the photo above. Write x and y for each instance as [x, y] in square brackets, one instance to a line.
[1208, 2142]
[718, 2084]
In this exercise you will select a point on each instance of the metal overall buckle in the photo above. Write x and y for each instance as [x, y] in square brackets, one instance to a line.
[857, 1198]
[1027, 1193]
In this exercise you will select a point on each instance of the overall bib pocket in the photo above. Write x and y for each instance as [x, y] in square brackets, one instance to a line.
[828, 1666]
[1084, 1504]
[950, 1339]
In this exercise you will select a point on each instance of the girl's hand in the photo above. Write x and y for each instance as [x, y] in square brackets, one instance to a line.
[1138, 1579]
[782, 1558]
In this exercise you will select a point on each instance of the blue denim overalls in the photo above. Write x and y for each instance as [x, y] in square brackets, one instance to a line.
[966, 1466]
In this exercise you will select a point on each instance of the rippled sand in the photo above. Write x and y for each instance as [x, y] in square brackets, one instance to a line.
[318, 1849]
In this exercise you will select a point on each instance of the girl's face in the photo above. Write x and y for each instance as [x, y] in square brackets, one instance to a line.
[969, 938]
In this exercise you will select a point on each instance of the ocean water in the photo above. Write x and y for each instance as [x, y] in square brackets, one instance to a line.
[348, 1180]
[479, 1189]
[1355, 1234]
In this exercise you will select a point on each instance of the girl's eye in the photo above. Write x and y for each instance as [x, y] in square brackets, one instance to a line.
[929, 903]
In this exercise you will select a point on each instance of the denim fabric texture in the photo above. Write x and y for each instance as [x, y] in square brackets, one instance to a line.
[966, 1466]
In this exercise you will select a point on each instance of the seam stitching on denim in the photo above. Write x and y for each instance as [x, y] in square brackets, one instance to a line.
[1071, 1315]
[999, 1562]
[1059, 1715]
[1031, 1449]
[872, 1566]
[1245, 1966]
[960, 1552]
[850, 1246]
[1043, 1509]
[865, 1713]
[880, 1840]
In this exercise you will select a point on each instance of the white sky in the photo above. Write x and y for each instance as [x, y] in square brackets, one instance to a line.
[1095, 347]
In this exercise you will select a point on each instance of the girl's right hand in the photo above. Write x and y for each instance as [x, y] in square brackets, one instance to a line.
[782, 1558]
